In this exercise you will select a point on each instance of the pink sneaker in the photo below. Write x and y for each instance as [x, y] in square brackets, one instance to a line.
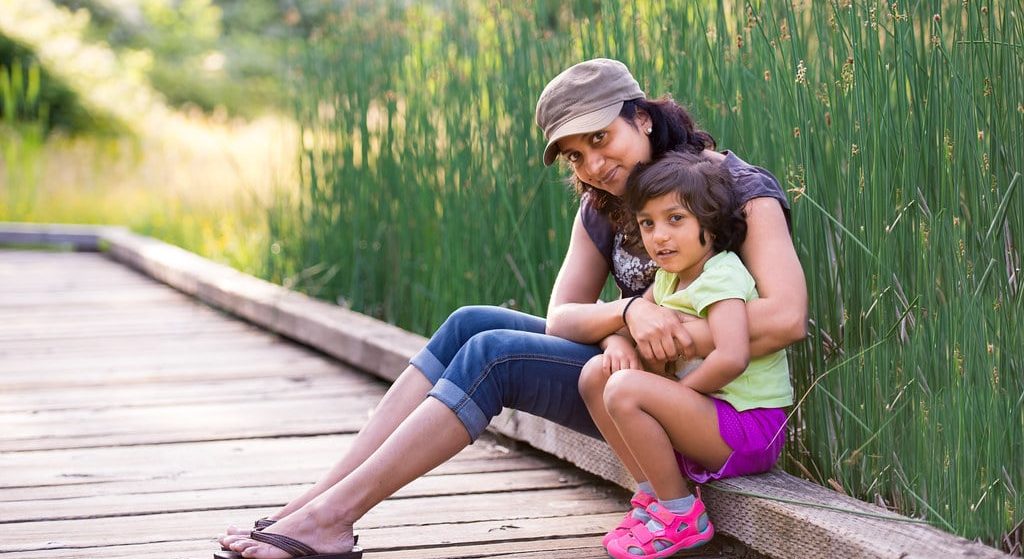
[640, 500]
[665, 534]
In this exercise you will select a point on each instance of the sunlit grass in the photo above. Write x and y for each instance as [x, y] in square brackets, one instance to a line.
[202, 184]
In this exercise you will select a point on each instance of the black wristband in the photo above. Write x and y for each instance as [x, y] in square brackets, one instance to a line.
[634, 298]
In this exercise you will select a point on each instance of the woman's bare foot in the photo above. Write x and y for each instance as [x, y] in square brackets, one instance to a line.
[234, 533]
[311, 525]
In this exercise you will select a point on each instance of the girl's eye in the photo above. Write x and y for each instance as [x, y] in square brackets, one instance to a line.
[572, 157]
[675, 217]
[646, 223]
[598, 137]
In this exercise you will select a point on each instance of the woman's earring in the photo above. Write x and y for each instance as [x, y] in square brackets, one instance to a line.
[649, 130]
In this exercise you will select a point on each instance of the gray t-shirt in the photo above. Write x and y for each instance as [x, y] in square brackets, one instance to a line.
[634, 273]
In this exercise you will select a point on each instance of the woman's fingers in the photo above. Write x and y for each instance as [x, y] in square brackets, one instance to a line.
[684, 343]
[632, 362]
[658, 331]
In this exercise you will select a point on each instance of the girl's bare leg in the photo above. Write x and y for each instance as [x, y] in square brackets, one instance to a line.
[427, 438]
[654, 415]
[405, 394]
[593, 381]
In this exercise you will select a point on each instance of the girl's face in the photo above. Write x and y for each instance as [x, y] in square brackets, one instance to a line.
[671, 236]
[604, 159]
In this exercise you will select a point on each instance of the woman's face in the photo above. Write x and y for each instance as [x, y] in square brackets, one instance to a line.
[604, 159]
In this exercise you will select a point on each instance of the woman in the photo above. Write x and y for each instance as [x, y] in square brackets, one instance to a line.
[597, 118]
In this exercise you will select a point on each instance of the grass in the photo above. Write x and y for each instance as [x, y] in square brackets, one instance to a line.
[896, 129]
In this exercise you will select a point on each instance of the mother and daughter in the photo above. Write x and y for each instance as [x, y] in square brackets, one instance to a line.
[687, 233]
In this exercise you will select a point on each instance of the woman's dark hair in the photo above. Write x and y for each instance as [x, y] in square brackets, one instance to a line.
[702, 185]
[673, 129]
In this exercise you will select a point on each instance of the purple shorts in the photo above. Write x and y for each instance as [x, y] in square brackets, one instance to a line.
[755, 436]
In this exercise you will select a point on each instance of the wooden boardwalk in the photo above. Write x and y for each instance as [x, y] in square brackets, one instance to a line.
[137, 422]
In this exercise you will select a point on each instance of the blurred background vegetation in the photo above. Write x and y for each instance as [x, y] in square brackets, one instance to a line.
[382, 155]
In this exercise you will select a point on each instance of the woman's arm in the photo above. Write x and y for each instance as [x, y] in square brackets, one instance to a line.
[727, 320]
[779, 316]
[573, 314]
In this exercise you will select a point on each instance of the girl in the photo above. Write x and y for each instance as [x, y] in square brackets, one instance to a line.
[723, 416]
[595, 116]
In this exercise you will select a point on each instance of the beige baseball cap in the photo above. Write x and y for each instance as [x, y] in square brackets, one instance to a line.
[584, 98]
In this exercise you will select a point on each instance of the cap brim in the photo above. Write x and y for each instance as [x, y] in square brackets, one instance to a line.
[590, 122]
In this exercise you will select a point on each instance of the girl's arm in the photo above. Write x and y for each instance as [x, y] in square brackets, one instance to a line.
[779, 317]
[574, 315]
[727, 320]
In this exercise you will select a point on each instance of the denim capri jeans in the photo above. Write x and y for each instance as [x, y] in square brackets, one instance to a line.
[484, 358]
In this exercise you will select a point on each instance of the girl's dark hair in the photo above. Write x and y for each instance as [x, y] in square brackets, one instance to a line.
[703, 186]
[673, 129]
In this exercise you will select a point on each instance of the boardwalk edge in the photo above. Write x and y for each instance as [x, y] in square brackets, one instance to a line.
[774, 513]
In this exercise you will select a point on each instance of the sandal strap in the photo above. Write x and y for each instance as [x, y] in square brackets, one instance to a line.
[291, 546]
[641, 534]
[667, 517]
[641, 500]
[263, 523]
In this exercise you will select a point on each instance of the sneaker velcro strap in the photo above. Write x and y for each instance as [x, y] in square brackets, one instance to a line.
[641, 500]
[661, 513]
[641, 534]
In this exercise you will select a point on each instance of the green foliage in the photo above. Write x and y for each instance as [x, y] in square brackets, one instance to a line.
[224, 54]
[896, 130]
[30, 94]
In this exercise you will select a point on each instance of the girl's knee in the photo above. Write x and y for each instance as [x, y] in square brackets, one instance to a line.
[593, 378]
[621, 391]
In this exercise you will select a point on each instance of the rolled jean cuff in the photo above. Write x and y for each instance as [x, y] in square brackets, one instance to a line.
[428, 364]
[470, 414]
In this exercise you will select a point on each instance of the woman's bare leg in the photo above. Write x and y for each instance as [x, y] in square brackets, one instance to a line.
[407, 392]
[431, 435]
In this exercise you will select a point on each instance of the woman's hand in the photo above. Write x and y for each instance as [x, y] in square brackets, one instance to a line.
[619, 354]
[658, 331]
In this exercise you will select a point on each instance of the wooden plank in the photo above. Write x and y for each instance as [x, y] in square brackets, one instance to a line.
[455, 496]
[160, 348]
[86, 237]
[142, 312]
[378, 531]
[587, 547]
[40, 339]
[317, 415]
[246, 350]
[155, 347]
[150, 373]
[57, 334]
[98, 298]
[85, 317]
[205, 465]
[280, 387]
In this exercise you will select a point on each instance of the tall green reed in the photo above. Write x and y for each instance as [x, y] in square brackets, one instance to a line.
[23, 121]
[896, 129]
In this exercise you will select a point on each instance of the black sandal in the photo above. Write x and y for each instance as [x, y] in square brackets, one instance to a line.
[226, 553]
[298, 549]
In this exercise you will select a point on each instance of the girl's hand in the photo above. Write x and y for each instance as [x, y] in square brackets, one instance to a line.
[619, 354]
[658, 331]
